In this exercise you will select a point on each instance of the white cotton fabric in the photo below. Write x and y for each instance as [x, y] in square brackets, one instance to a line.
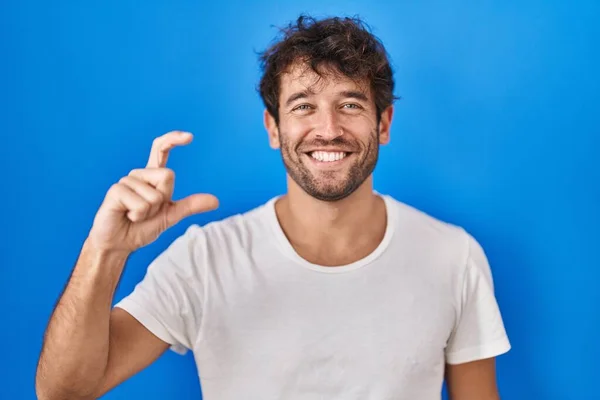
[263, 323]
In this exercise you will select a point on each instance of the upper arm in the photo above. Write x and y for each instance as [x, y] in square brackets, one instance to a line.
[479, 331]
[163, 311]
[478, 335]
[132, 348]
[475, 380]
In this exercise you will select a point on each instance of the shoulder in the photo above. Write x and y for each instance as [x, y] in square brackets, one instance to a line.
[422, 226]
[432, 238]
[219, 242]
[238, 231]
[445, 253]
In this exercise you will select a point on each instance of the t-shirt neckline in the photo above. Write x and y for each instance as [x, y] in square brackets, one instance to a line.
[289, 251]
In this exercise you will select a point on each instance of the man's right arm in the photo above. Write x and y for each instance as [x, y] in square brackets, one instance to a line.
[90, 348]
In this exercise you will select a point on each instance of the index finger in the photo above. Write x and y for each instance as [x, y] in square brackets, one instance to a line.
[162, 145]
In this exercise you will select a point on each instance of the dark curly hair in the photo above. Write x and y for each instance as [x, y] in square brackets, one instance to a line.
[343, 43]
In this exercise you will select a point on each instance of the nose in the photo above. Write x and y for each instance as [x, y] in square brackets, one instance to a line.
[330, 127]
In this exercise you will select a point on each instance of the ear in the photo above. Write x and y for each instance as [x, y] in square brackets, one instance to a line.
[272, 129]
[385, 124]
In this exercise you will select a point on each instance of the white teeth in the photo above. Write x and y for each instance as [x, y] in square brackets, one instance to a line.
[327, 156]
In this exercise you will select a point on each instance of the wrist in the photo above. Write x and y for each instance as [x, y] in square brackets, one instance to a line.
[99, 252]
[98, 263]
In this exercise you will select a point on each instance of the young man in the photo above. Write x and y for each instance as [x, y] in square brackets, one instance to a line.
[329, 291]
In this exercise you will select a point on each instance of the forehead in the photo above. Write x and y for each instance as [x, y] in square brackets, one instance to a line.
[301, 77]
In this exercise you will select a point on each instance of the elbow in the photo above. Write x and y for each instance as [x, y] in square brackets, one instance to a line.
[49, 389]
[58, 394]
[45, 390]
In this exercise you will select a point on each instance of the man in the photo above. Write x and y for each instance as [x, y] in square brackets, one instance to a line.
[329, 291]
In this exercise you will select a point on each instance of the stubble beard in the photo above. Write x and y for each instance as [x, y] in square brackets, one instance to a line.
[330, 185]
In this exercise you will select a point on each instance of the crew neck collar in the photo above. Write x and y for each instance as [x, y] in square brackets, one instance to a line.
[291, 253]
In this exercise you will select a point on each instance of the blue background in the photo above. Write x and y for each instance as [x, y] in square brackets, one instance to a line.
[497, 131]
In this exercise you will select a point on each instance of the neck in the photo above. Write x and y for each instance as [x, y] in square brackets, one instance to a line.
[332, 233]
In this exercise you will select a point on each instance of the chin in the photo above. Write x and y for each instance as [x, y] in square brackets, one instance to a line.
[329, 196]
[326, 184]
[330, 193]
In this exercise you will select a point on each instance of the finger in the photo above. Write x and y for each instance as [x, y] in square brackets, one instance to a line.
[194, 204]
[163, 179]
[145, 191]
[162, 145]
[137, 208]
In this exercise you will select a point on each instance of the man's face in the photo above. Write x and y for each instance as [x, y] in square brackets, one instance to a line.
[328, 132]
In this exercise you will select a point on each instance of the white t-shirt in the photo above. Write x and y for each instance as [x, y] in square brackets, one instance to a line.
[263, 323]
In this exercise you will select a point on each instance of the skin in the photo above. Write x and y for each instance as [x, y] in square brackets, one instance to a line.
[474, 380]
[330, 215]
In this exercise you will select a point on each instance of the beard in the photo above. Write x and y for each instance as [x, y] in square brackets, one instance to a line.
[330, 185]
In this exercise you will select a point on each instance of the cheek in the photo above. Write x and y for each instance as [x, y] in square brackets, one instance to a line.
[291, 133]
[358, 125]
[297, 127]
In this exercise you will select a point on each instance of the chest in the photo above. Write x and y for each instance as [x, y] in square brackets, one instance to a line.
[327, 331]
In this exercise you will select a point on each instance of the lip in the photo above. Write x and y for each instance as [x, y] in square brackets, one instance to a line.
[328, 164]
[329, 150]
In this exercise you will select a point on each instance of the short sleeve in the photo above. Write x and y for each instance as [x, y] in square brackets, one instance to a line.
[168, 299]
[479, 332]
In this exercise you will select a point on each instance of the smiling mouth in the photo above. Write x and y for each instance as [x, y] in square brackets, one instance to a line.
[328, 156]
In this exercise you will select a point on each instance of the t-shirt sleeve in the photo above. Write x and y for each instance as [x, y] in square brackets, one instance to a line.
[168, 299]
[479, 332]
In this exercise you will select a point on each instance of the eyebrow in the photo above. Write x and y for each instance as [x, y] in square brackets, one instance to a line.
[355, 94]
[298, 95]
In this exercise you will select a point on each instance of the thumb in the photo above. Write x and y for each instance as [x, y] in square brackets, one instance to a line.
[194, 204]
